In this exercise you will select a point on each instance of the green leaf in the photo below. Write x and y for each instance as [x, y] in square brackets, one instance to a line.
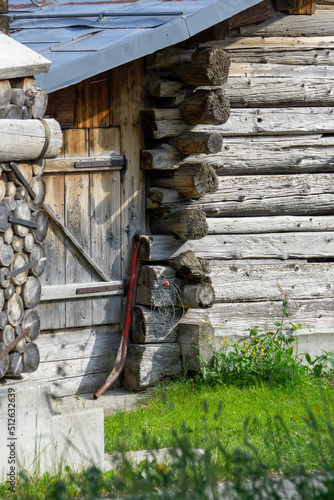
[277, 323]
[289, 351]
[331, 362]
[308, 358]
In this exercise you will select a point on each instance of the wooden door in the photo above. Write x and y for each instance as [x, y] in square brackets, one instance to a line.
[88, 203]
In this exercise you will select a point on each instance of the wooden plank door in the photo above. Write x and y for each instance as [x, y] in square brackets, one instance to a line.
[88, 203]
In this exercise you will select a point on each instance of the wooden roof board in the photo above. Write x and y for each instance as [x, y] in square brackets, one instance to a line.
[17, 60]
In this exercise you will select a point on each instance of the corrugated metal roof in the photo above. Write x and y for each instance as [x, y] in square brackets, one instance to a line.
[81, 42]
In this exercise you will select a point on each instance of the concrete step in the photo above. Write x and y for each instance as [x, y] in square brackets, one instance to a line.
[112, 401]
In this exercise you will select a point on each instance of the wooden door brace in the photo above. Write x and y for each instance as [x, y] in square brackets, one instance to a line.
[53, 217]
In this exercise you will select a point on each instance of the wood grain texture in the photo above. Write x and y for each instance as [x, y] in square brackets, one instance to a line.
[105, 237]
[260, 282]
[273, 154]
[61, 106]
[92, 102]
[128, 101]
[274, 224]
[76, 361]
[77, 220]
[321, 23]
[268, 91]
[104, 141]
[311, 194]
[254, 70]
[236, 319]
[76, 142]
[303, 245]
[146, 364]
[274, 121]
[53, 314]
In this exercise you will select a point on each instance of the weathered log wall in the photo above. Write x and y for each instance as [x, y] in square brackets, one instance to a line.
[270, 219]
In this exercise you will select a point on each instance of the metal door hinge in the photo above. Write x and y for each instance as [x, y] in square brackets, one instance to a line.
[115, 162]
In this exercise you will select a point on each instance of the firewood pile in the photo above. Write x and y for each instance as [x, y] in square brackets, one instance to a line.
[26, 139]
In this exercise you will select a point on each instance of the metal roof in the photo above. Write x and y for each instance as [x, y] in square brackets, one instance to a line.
[83, 38]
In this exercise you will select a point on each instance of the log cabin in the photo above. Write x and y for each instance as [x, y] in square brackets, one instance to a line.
[207, 128]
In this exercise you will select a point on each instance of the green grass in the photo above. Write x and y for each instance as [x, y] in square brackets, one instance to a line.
[287, 425]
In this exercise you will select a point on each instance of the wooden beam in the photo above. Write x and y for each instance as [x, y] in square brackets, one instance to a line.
[303, 7]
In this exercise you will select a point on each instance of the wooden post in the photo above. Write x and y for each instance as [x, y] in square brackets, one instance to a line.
[303, 7]
[195, 340]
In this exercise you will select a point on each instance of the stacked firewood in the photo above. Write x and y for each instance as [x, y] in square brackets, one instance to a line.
[20, 99]
[23, 222]
[183, 84]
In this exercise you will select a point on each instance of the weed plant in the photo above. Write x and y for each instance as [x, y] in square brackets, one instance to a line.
[267, 357]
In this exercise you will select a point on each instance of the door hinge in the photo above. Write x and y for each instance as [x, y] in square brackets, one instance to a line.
[115, 162]
[100, 288]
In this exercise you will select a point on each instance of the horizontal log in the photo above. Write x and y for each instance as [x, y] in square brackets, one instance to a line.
[259, 121]
[187, 265]
[265, 195]
[25, 139]
[280, 42]
[148, 364]
[191, 180]
[309, 245]
[150, 326]
[274, 154]
[185, 224]
[280, 50]
[236, 319]
[197, 295]
[207, 66]
[267, 91]
[167, 158]
[259, 282]
[269, 121]
[195, 341]
[255, 70]
[311, 194]
[193, 143]
[279, 224]
[205, 107]
[321, 23]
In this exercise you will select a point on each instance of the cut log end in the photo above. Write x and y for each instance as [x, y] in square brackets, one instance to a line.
[206, 108]
[198, 142]
[200, 295]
